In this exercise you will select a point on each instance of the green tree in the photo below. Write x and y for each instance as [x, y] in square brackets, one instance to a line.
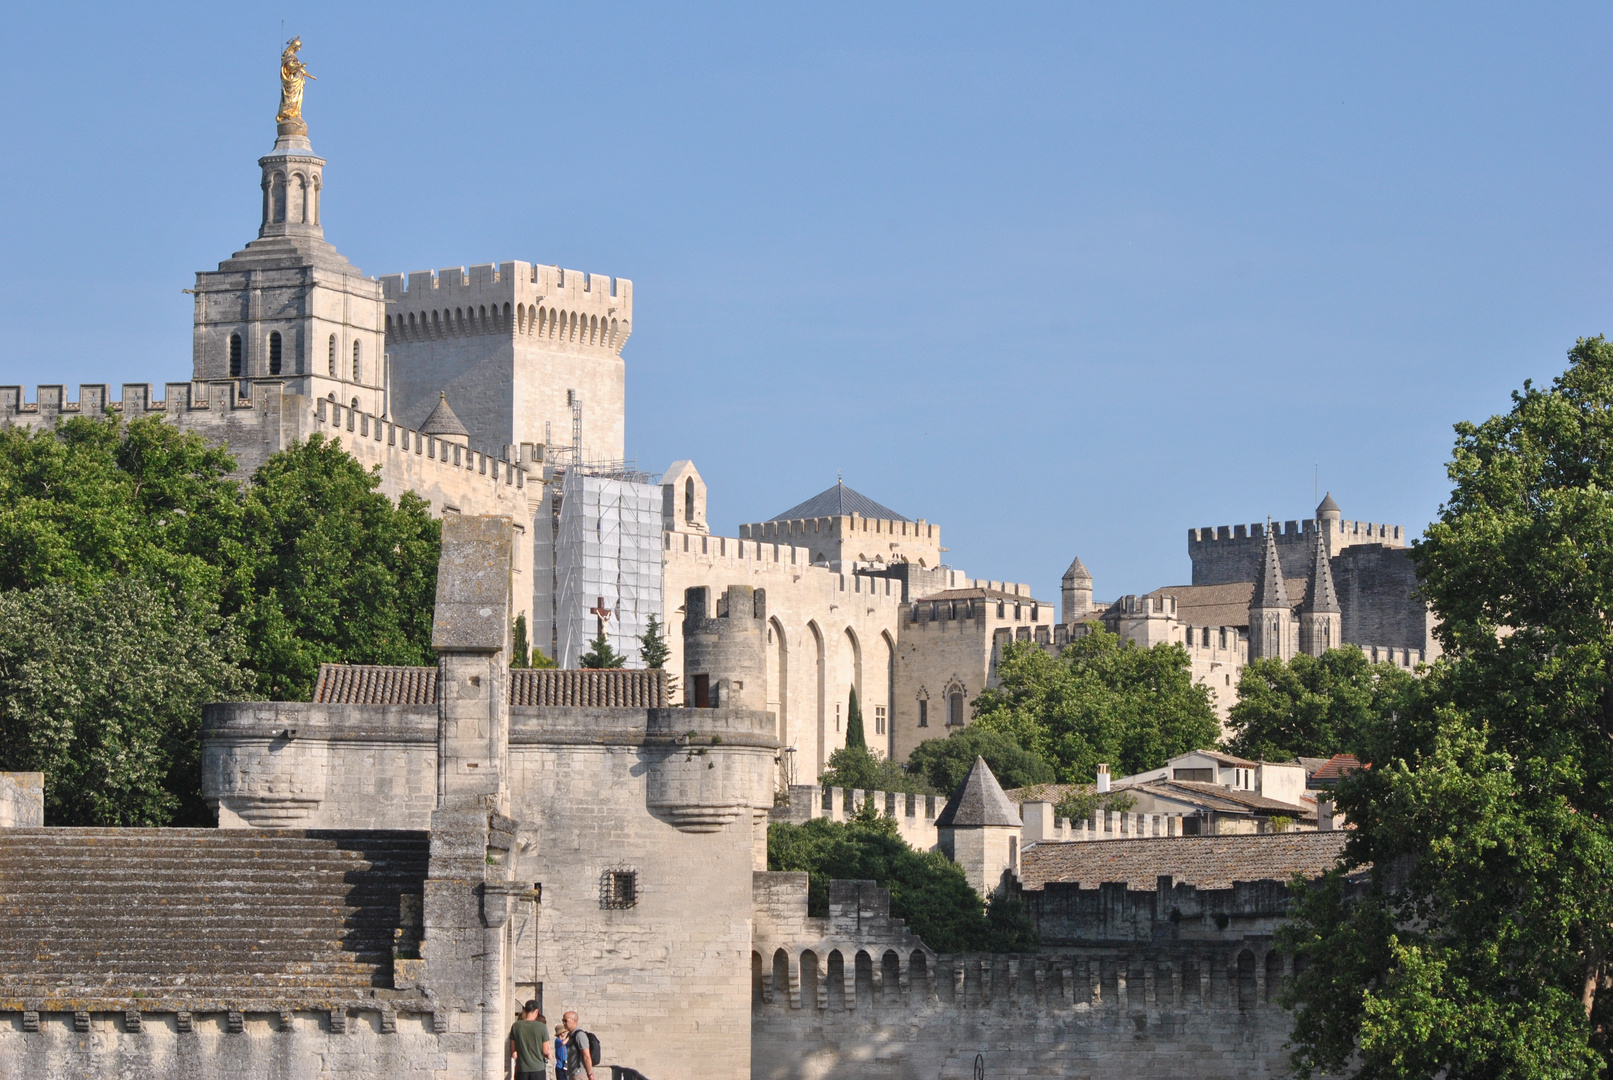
[601, 655]
[540, 659]
[860, 769]
[102, 689]
[653, 649]
[1312, 706]
[943, 763]
[520, 650]
[1102, 700]
[90, 501]
[331, 571]
[927, 889]
[1474, 939]
[854, 725]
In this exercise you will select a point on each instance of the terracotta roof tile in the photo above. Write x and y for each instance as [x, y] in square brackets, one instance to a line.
[373, 684]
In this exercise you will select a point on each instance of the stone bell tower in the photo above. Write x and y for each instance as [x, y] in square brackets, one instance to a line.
[289, 307]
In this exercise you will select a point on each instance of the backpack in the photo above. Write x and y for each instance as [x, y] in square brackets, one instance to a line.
[573, 1048]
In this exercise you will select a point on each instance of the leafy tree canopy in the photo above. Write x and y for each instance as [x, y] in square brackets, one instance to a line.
[860, 769]
[927, 889]
[943, 763]
[1103, 700]
[1312, 706]
[102, 689]
[1478, 945]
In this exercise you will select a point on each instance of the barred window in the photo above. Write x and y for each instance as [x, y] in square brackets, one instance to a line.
[618, 889]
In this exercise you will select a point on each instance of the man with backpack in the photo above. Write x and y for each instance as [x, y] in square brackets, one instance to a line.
[582, 1047]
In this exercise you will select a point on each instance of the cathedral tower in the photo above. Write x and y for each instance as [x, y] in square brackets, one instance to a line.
[1271, 617]
[289, 307]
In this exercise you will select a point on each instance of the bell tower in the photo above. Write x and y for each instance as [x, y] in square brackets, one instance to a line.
[289, 307]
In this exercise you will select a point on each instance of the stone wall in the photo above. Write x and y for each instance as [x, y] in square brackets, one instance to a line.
[22, 800]
[1231, 553]
[1377, 587]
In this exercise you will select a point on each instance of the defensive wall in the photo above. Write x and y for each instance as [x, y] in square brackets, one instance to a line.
[854, 539]
[849, 994]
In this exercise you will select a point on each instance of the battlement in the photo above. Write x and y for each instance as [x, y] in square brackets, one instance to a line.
[839, 526]
[423, 287]
[1146, 607]
[914, 814]
[1042, 825]
[135, 400]
[1350, 532]
[755, 556]
[334, 420]
[1032, 613]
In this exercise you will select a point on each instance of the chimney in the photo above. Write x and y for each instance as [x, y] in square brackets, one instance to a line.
[1324, 815]
[1103, 779]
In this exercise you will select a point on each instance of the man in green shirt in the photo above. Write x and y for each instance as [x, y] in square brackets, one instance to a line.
[530, 1043]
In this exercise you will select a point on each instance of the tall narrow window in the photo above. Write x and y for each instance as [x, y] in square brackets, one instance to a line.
[330, 360]
[274, 353]
[688, 500]
[356, 355]
[955, 709]
[235, 356]
[924, 712]
[879, 719]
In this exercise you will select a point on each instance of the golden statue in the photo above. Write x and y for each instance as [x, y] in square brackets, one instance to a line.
[292, 73]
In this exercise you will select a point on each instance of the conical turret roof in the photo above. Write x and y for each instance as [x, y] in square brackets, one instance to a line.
[442, 420]
[1270, 591]
[1077, 571]
[1328, 506]
[1319, 593]
[979, 801]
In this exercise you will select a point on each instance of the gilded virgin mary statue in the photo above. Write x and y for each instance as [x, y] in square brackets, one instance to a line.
[292, 73]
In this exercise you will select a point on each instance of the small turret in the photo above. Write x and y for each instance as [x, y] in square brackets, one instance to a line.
[979, 829]
[1320, 616]
[443, 424]
[1076, 593]
[1271, 616]
[725, 658]
[1329, 522]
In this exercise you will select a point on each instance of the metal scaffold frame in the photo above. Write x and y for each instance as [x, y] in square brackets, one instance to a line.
[607, 559]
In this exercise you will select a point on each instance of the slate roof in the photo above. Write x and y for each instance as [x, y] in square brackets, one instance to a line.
[1211, 605]
[839, 501]
[1077, 571]
[1208, 862]
[442, 421]
[1327, 504]
[373, 684]
[979, 800]
[1050, 793]
[1319, 593]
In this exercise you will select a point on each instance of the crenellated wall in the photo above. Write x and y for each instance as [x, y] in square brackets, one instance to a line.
[1229, 553]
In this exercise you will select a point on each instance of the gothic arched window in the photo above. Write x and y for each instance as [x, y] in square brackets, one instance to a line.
[274, 353]
[235, 356]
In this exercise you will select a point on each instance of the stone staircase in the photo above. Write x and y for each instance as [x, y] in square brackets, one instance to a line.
[201, 920]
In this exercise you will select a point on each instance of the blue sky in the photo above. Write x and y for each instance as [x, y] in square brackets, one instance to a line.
[1063, 279]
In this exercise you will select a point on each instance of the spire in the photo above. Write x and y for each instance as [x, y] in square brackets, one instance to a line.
[1270, 592]
[1077, 571]
[979, 801]
[1319, 594]
[442, 420]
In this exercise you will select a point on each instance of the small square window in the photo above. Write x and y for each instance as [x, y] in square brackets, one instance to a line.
[618, 889]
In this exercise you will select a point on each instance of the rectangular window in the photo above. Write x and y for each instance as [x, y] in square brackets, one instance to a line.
[1203, 776]
[837, 716]
[701, 685]
[618, 889]
[924, 713]
[879, 719]
[955, 710]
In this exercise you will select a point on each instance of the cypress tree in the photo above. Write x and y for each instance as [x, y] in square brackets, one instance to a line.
[520, 654]
[854, 725]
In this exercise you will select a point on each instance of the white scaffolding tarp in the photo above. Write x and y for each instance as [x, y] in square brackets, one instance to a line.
[607, 560]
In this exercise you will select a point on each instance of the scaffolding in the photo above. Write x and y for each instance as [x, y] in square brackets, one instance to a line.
[607, 559]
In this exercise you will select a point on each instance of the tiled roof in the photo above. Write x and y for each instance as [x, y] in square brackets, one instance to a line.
[1223, 799]
[1227, 759]
[375, 684]
[586, 688]
[982, 594]
[838, 501]
[1337, 765]
[979, 800]
[370, 684]
[1208, 862]
[1211, 605]
[1051, 793]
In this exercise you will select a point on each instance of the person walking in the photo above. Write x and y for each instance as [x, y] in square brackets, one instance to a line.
[530, 1044]
[579, 1055]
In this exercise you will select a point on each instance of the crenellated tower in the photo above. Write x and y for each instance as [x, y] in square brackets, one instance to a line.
[1271, 616]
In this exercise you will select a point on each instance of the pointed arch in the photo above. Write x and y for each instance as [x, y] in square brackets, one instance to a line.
[778, 683]
[819, 677]
[890, 693]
